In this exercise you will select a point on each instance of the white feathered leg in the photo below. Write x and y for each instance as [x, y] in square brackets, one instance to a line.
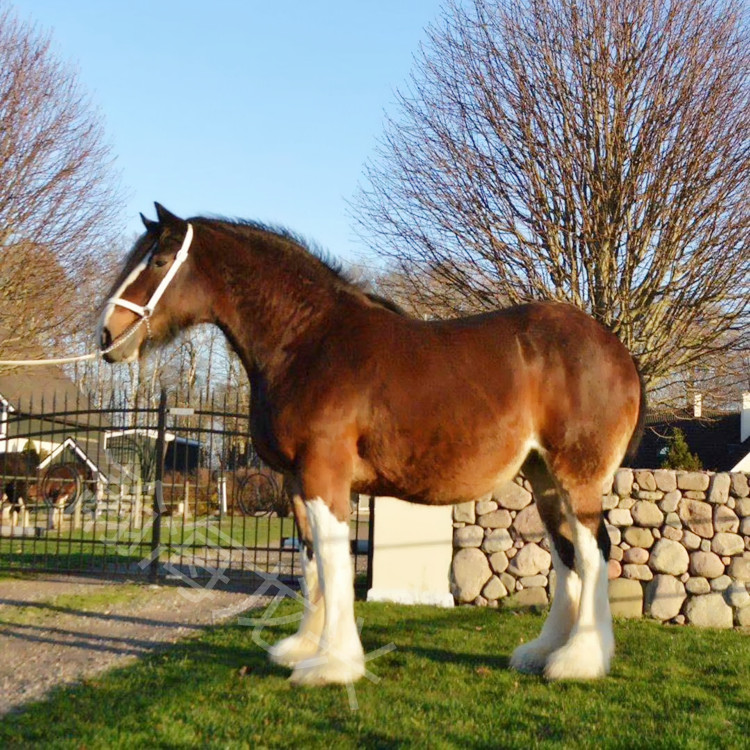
[304, 643]
[588, 653]
[339, 658]
[532, 657]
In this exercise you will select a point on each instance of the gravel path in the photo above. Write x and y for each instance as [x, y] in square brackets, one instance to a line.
[56, 630]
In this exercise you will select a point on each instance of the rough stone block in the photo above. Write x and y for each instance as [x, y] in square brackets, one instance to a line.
[494, 589]
[706, 564]
[530, 560]
[670, 501]
[485, 506]
[727, 544]
[697, 586]
[709, 611]
[528, 524]
[526, 598]
[722, 583]
[512, 497]
[531, 581]
[739, 569]
[739, 485]
[626, 598]
[664, 597]
[725, 520]
[689, 540]
[736, 595]
[718, 492]
[620, 517]
[470, 572]
[464, 512]
[645, 479]
[609, 501]
[468, 536]
[497, 540]
[623, 483]
[666, 480]
[637, 572]
[692, 480]
[499, 562]
[498, 519]
[614, 569]
[637, 537]
[672, 532]
[669, 557]
[636, 555]
[615, 535]
[697, 516]
[647, 513]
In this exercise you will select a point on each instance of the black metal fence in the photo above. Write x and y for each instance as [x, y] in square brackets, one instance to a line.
[165, 492]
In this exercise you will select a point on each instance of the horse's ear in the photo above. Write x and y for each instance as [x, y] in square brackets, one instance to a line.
[167, 218]
[148, 223]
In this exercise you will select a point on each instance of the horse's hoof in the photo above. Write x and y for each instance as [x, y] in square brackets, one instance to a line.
[530, 658]
[326, 670]
[292, 650]
[582, 658]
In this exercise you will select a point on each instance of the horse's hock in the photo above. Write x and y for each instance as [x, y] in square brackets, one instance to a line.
[680, 548]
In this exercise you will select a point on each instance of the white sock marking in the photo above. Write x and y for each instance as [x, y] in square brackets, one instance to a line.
[340, 657]
[305, 642]
[588, 652]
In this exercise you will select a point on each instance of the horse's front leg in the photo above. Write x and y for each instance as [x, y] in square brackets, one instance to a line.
[304, 643]
[340, 657]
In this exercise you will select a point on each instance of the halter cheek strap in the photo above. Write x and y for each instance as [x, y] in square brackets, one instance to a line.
[144, 311]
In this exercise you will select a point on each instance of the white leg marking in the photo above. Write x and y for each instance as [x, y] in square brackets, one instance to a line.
[588, 652]
[532, 657]
[340, 657]
[304, 643]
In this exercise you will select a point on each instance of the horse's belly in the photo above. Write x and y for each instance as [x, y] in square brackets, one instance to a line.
[442, 479]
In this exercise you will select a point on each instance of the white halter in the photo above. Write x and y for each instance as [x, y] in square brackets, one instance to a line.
[144, 311]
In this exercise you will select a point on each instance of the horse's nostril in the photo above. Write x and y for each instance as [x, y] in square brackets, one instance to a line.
[106, 338]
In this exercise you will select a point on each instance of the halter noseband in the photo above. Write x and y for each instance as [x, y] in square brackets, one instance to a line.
[144, 311]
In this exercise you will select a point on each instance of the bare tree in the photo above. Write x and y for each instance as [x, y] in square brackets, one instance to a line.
[59, 196]
[594, 151]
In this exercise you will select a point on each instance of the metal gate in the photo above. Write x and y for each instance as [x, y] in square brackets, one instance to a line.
[171, 493]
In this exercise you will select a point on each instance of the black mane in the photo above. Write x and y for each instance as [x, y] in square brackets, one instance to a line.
[302, 251]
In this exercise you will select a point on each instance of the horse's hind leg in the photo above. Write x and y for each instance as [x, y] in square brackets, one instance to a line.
[304, 643]
[532, 657]
[588, 652]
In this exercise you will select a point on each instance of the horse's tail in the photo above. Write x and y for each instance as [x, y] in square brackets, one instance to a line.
[640, 426]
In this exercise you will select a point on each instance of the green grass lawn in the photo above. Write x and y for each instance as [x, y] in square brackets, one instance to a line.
[446, 684]
[106, 543]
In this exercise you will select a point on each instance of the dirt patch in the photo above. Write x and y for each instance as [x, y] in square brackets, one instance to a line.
[55, 630]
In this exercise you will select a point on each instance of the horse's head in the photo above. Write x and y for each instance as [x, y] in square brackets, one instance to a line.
[156, 293]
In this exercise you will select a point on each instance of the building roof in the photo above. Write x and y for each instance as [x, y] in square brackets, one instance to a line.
[47, 390]
[714, 438]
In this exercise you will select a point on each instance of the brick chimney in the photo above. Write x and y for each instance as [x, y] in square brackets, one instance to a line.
[745, 417]
[697, 405]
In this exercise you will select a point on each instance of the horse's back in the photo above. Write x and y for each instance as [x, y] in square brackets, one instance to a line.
[455, 406]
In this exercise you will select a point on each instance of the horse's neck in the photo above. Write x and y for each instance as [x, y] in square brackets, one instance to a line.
[262, 303]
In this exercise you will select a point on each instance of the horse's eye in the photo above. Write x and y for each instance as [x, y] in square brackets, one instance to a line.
[159, 262]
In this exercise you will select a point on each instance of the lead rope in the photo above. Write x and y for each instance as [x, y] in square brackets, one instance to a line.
[121, 339]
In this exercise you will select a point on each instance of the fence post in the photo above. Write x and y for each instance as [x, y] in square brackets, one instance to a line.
[158, 490]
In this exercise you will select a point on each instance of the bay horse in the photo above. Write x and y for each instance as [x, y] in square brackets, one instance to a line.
[350, 394]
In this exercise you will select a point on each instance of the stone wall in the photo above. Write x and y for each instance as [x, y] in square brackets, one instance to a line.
[680, 547]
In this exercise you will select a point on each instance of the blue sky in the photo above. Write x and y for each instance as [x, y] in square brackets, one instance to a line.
[261, 110]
